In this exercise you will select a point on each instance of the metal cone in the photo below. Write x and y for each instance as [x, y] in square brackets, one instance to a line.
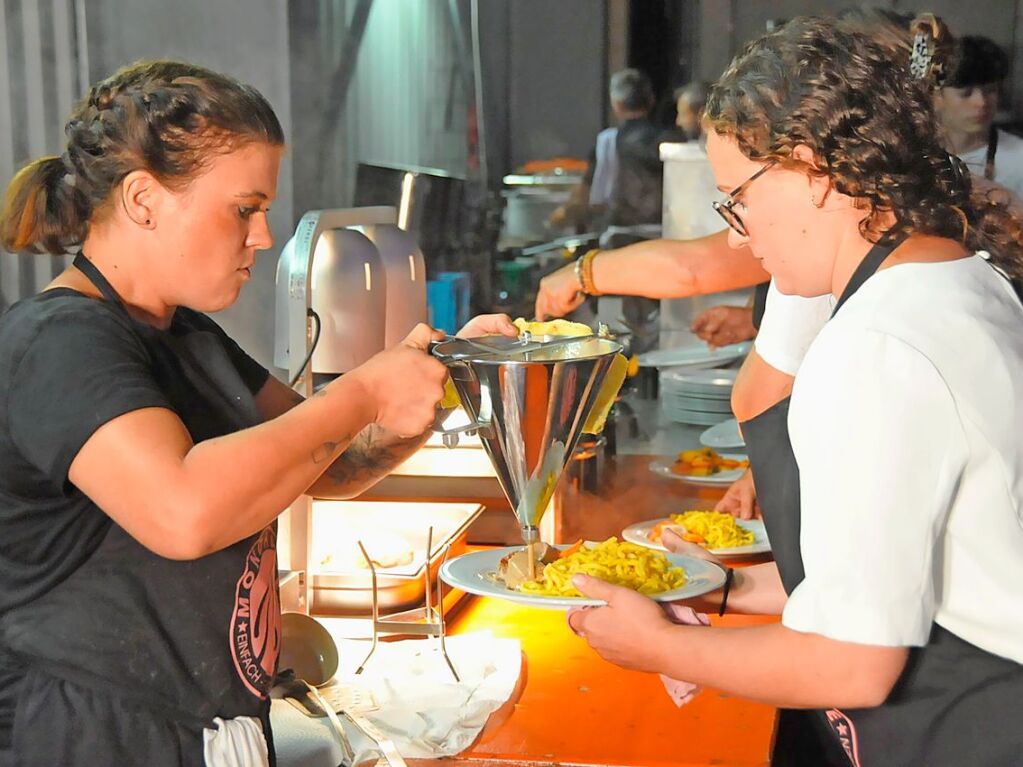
[530, 409]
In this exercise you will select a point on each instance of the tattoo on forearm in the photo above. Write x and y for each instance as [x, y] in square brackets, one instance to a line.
[372, 454]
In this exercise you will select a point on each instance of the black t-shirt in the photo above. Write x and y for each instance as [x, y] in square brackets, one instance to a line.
[68, 365]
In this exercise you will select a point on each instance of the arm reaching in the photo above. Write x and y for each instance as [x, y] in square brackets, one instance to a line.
[184, 500]
[655, 269]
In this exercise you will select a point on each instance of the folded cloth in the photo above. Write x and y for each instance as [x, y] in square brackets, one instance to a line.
[682, 692]
[420, 706]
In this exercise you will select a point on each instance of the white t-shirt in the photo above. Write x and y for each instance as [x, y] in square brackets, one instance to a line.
[789, 326]
[905, 421]
[1008, 162]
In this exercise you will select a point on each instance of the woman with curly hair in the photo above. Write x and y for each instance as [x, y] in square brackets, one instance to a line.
[892, 480]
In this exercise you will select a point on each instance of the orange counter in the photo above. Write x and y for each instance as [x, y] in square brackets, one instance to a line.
[572, 708]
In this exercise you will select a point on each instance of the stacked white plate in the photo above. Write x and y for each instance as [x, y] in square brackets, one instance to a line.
[694, 354]
[700, 397]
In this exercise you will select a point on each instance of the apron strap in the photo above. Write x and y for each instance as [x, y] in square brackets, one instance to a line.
[992, 150]
[870, 264]
[95, 276]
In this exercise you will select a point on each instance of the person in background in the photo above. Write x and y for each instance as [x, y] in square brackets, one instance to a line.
[901, 407]
[690, 99]
[621, 192]
[144, 457]
[967, 104]
[652, 269]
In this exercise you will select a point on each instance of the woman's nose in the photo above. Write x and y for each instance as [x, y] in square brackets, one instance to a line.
[260, 237]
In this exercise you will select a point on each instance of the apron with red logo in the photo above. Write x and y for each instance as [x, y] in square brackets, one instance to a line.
[133, 657]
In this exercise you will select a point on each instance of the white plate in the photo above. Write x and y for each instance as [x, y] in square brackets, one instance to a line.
[695, 355]
[663, 467]
[695, 417]
[712, 380]
[723, 407]
[723, 436]
[468, 572]
[639, 533]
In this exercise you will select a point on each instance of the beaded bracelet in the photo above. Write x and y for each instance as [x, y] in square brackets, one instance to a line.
[584, 272]
[729, 577]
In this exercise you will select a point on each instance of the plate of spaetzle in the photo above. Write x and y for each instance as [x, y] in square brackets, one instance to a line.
[721, 534]
[501, 573]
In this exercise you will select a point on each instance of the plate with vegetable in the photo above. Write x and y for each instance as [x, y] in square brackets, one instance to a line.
[702, 467]
[721, 534]
[504, 573]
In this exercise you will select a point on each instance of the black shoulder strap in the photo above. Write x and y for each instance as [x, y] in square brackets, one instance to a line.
[759, 303]
[86, 267]
[870, 264]
[992, 150]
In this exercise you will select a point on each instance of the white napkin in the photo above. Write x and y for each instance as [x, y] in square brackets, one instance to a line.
[422, 709]
[679, 691]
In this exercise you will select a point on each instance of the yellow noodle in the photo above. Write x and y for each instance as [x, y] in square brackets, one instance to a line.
[618, 562]
[719, 530]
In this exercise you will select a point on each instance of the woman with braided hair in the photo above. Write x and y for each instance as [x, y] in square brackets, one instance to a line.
[892, 479]
[144, 456]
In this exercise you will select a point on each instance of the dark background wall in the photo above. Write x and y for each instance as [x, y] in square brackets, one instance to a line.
[410, 99]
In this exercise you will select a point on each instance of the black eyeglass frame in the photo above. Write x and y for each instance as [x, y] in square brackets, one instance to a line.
[724, 209]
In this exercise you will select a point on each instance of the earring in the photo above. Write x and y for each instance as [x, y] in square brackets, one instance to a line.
[147, 222]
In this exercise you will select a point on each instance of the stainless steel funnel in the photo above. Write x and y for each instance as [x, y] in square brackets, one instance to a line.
[529, 408]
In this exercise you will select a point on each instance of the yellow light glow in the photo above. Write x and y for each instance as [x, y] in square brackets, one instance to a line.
[442, 462]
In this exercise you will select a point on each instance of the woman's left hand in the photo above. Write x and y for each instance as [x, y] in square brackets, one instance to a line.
[627, 632]
[489, 325]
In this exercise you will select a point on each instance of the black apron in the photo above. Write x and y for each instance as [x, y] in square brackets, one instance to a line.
[953, 705]
[132, 656]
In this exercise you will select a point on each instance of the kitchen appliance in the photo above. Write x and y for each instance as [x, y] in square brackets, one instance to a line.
[529, 201]
[528, 399]
[405, 272]
[397, 536]
[353, 277]
[331, 295]
[334, 281]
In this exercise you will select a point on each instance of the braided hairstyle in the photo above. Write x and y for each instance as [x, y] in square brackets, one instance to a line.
[836, 88]
[168, 117]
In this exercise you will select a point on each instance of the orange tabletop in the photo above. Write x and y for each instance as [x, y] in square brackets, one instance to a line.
[573, 708]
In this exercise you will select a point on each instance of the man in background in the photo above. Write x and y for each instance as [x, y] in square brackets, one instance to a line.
[621, 192]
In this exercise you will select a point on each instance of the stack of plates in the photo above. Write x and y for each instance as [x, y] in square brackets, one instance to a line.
[694, 355]
[701, 397]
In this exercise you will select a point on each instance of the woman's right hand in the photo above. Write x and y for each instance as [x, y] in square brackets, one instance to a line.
[405, 383]
[559, 294]
[741, 498]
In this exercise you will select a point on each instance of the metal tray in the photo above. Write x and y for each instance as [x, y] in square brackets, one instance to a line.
[342, 587]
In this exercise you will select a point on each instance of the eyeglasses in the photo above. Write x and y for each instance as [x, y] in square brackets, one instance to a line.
[726, 209]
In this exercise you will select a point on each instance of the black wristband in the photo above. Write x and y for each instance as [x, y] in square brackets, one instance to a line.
[729, 577]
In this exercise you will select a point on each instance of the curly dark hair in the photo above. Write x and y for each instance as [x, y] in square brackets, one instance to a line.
[835, 88]
[168, 117]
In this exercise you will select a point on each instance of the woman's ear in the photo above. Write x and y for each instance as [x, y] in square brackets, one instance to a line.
[820, 184]
[141, 194]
